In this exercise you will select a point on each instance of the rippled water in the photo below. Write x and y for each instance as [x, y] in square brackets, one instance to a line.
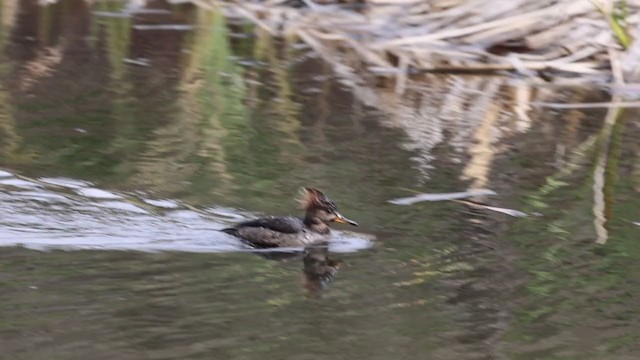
[59, 213]
[130, 133]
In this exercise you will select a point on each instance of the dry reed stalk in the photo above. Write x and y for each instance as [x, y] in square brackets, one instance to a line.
[595, 105]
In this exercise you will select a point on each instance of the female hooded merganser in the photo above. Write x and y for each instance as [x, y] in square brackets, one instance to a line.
[291, 231]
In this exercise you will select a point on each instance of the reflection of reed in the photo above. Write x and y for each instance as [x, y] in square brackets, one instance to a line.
[117, 32]
[522, 107]
[9, 139]
[482, 151]
[415, 115]
[40, 68]
[636, 168]
[471, 114]
[605, 173]
[48, 56]
[8, 9]
[324, 105]
[44, 24]
[205, 140]
[450, 104]
[118, 36]
[181, 139]
[216, 100]
[467, 109]
[287, 124]
[573, 120]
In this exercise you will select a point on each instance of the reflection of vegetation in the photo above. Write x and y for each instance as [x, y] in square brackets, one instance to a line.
[50, 117]
[45, 24]
[204, 144]
[274, 144]
[125, 123]
[9, 139]
[574, 280]
[7, 18]
[287, 123]
[219, 99]
[612, 161]
[118, 40]
[636, 171]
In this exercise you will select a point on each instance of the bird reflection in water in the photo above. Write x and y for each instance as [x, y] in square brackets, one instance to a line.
[318, 270]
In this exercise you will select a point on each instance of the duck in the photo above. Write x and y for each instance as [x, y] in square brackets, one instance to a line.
[291, 231]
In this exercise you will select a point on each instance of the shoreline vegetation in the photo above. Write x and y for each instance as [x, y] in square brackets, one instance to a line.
[558, 43]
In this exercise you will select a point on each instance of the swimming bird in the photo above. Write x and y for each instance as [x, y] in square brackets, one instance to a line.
[290, 231]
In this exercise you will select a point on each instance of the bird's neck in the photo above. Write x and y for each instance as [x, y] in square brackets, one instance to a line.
[316, 225]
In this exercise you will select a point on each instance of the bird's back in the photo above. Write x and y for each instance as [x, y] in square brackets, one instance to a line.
[273, 231]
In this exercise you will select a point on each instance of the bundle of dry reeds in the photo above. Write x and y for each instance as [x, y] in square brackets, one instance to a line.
[561, 38]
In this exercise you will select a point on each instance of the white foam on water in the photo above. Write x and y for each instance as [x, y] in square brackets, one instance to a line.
[97, 193]
[66, 182]
[121, 205]
[42, 196]
[167, 204]
[348, 242]
[42, 219]
[19, 183]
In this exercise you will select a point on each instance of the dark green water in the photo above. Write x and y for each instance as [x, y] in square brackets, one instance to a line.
[104, 115]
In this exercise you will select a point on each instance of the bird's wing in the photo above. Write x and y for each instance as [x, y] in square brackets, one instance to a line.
[287, 225]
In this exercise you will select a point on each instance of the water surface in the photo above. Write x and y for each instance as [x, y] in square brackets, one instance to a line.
[130, 133]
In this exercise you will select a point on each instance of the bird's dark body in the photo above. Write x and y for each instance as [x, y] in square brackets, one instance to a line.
[290, 231]
[273, 231]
